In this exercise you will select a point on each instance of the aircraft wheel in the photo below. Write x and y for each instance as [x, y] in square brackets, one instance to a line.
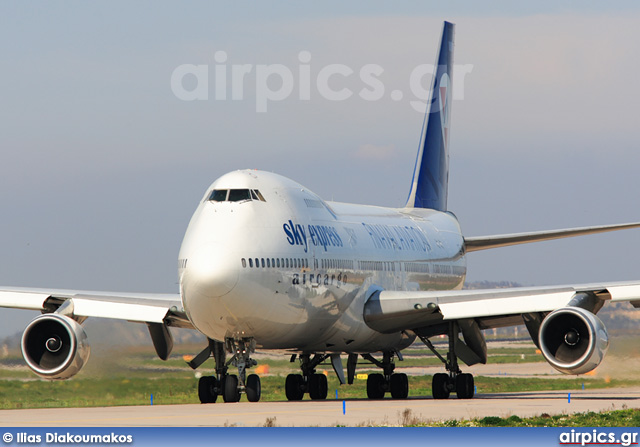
[318, 387]
[230, 392]
[375, 386]
[294, 387]
[253, 388]
[207, 389]
[464, 386]
[439, 387]
[399, 386]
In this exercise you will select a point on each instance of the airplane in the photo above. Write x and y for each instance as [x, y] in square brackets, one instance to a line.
[267, 264]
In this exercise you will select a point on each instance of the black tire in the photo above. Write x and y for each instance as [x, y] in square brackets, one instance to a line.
[465, 386]
[399, 386]
[318, 387]
[375, 386]
[208, 389]
[294, 387]
[439, 388]
[230, 391]
[253, 388]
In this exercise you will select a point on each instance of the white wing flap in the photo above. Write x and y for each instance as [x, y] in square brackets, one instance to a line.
[117, 310]
[500, 304]
[23, 300]
[149, 308]
[629, 292]
[390, 311]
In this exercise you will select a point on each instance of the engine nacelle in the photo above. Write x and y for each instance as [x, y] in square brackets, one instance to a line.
[573, 340]
[55, 346]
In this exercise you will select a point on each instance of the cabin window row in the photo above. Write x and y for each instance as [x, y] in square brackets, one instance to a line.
[416, 267]
[347, 264]
[337, 264]
[380, 266]
[287, 263]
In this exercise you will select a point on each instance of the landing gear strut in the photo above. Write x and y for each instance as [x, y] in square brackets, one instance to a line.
[230, 386]
[309, 381]
[444, 384]
[379, 384]
[209, 387]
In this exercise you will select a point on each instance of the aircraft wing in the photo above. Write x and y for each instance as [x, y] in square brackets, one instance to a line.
[504, 240]
[428, 312]
[138, 307]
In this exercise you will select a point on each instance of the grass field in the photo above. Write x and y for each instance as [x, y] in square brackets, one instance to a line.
[617, 418]
[131, 376]
[94, 392]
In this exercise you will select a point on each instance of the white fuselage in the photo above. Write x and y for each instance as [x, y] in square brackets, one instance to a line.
[293, 272]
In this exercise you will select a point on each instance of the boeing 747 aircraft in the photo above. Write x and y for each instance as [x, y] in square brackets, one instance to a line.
[267, 264]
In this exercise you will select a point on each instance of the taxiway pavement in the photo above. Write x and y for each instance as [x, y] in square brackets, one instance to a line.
[328, 413]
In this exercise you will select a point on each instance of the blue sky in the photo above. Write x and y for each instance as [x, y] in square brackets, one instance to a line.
[103, 165]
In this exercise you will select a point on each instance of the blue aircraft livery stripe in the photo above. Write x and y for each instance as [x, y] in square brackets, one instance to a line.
[431, 173]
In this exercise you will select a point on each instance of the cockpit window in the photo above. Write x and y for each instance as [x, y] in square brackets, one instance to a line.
[218, 195]
[238, 195]
[235, 195]
[259, 195]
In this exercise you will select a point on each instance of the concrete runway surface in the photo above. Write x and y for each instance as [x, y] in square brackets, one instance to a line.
[327, 413]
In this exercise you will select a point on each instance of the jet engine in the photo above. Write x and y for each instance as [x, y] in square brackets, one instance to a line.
[55, 346]
[573, 340]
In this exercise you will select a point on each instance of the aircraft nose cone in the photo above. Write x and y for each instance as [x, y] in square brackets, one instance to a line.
[210, 272]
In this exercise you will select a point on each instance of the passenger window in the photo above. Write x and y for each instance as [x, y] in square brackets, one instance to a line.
[250, 262]
[244, 263]
[218, 195]
[268, 263]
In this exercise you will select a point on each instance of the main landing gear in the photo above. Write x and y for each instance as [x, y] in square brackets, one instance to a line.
[309, 381]
[378, 384]
[315, 384]
[230, 386]
[443, 384]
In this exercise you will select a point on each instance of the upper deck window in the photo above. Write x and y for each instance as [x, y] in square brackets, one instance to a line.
[235, 195]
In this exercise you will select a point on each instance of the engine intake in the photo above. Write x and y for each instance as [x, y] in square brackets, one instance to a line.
[573, 340]
[55, 346]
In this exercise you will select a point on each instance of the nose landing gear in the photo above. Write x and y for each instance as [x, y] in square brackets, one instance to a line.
[230, 386]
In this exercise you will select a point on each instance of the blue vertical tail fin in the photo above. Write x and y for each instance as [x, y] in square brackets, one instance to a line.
[431, 173]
